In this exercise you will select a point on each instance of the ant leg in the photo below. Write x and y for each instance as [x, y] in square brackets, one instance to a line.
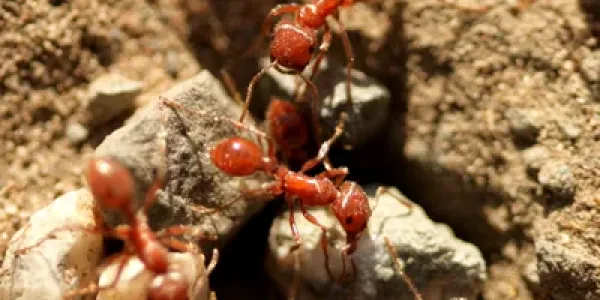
[120, 232]
[345, 257]
[251, 88]
[94, 287]
[199, 283]
[273, 189]
[294, 228]
[400, 270]
[323, 48]
[179, 230]
[313, 220]
[230, 85]
[237, 124]
[314, 106]
[324, 149]
[385, 190]
[349, 56]
[338, 173]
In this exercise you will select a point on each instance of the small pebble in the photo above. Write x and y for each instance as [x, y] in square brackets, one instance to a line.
[110, 95]
[557, 177]
[76, 133]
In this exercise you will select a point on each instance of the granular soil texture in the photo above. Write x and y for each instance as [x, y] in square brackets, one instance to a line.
[50, 52]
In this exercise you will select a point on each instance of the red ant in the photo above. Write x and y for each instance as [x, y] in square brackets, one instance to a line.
[293, 43]
[239, 156]
[113, 186]
[286, 124]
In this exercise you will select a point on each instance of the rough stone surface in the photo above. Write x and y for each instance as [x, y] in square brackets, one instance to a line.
[134, 279]
[59, 264]
[193, 181]
[442, 266]
[369, 98]
[110, 95]
[476, 91]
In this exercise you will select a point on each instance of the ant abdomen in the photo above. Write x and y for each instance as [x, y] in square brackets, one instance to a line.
[237, 156]
[287, 125]
[110, 182]
[352, 209]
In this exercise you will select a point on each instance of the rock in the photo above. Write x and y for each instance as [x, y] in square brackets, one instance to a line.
[183, 138]
[567, 265]
[109, 96]
[370, 100]
[535, 157]
[441, 266]
[76, 133]
[59, 264]
[557, 177]
[524, 123]
[134, 280]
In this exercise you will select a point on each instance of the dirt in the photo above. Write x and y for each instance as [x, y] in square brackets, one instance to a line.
[51, 51]
[495, 125]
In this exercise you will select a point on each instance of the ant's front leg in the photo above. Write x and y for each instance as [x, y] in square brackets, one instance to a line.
[324, 149]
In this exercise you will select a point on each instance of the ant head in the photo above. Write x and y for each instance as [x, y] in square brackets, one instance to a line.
[237, 156]
[110, 182]
[170, 286]
[287, 125]
[292, 46]
[352, 209]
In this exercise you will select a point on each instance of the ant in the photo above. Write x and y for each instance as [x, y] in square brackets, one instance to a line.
[238, 156]
[293, 44]
[286, 124]
[112, 185]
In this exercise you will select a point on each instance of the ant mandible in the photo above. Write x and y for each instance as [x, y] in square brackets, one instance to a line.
[112, 185]
[238, 156]
[293, 43]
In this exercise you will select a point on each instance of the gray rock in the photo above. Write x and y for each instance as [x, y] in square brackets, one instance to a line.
[534, 157]
[183, 138]
[370, 100]
[557, 177]
[524, 123]
[110, 95]
[59, 264]
[567, 267]
[441, 266]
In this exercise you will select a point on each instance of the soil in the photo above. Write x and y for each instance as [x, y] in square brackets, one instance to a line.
[495, 114]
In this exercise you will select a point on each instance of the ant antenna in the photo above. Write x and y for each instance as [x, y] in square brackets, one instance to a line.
[251, 88]
[230, 84]
[400, 270]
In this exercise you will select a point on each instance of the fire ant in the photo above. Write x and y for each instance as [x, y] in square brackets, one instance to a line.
[113, 186]
[286, 125]
[293, 44]
[237, 156]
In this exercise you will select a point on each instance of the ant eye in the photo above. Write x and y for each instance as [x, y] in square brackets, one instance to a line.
[349, 220]
[311, 50]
